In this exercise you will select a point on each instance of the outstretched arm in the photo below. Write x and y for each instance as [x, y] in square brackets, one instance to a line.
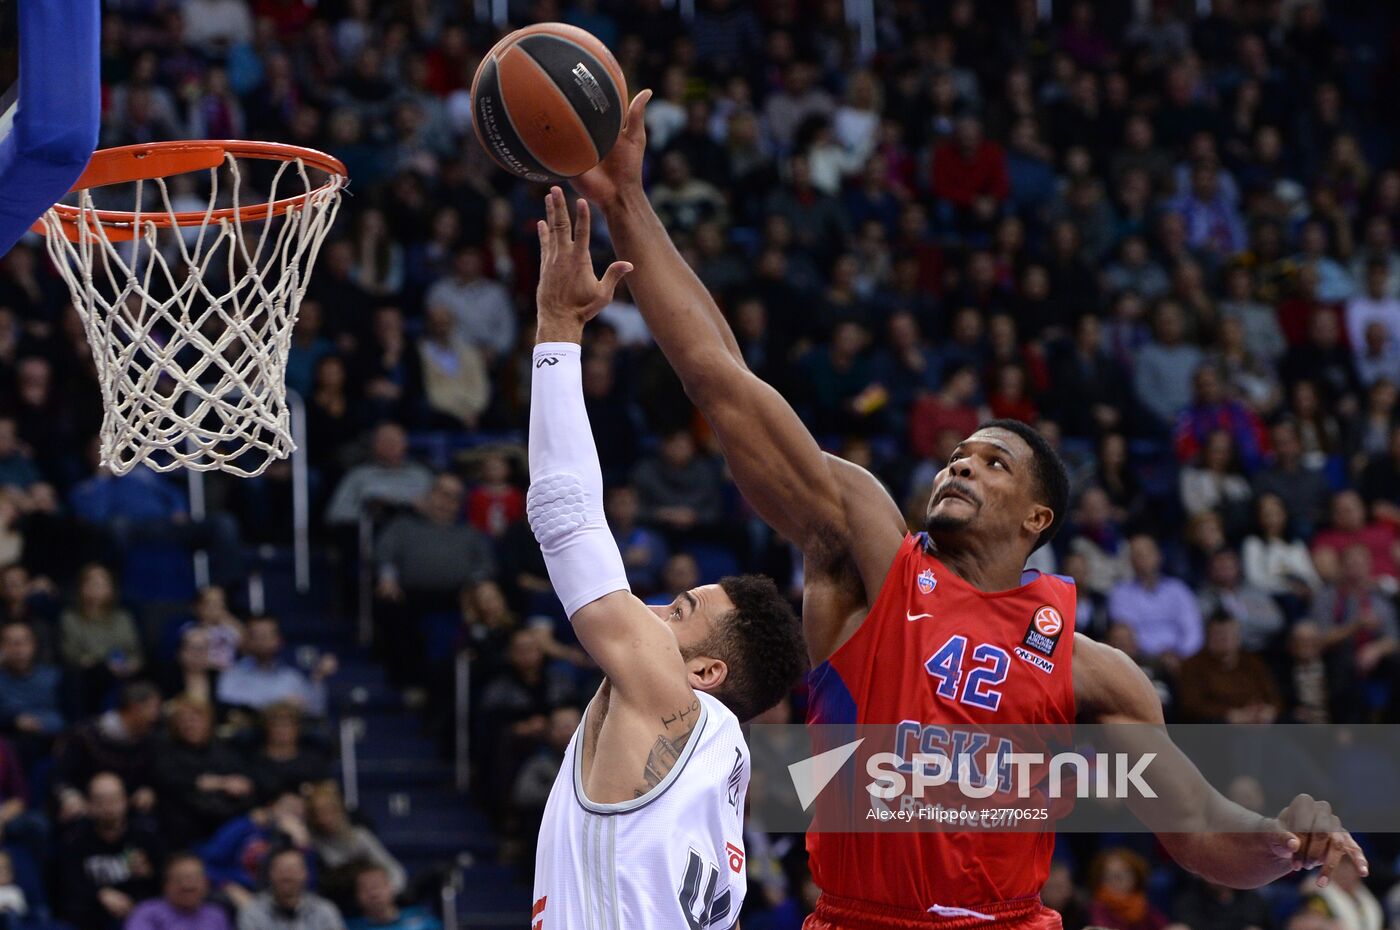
[565, 502]
[1202, 829]
[803, 494]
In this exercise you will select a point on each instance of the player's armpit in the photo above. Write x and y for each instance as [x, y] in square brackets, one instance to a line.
[874, 522]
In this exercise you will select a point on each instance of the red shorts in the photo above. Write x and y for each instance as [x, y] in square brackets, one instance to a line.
[835, 913]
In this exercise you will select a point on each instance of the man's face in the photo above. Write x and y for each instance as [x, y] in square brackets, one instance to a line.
[986, 489]
[1145, 557]
[1223, 639]
[623, 507]
[107, 800]
[445, 500]
[287, 879]
[390, 445]
[16, 647]
[678, 450]
[694, 616]
[185, 885]
[263, 642]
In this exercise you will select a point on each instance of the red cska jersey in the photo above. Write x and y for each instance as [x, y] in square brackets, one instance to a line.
[939, 652]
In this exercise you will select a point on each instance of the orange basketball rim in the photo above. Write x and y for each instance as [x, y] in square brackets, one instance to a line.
[151, 160]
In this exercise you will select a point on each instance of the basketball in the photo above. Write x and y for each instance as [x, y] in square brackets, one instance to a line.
[548, 101]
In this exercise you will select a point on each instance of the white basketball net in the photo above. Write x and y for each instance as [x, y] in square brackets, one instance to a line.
[192, 371]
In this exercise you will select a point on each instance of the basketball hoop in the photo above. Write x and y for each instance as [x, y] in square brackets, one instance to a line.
[190, 312]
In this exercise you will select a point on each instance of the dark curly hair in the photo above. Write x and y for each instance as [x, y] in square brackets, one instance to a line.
[760, 640]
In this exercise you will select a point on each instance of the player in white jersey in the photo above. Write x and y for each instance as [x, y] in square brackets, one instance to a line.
[644, 825]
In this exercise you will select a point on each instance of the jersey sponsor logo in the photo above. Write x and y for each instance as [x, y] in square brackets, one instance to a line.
[703, 908]
[926, 581]
[736, 777]
[1040, 662]
[736, 858]
[911, 617]
[1043, 632]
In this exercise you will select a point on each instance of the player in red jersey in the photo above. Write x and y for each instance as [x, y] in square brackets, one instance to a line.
[960, 635]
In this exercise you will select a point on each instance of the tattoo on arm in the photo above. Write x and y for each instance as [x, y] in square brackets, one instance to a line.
[682, 714]
[663, 756]
[667, 749]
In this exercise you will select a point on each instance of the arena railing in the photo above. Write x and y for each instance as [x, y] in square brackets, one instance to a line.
[301, 509]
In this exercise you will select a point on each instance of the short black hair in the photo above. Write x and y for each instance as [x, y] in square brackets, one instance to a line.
[760, 640]
[1051, 476]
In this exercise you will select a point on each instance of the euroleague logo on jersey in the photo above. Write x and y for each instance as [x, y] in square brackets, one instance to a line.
[1044, 630]
[926, 581]
[1047, 621]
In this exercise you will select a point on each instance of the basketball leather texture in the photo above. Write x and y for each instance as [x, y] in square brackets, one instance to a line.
[548, 101]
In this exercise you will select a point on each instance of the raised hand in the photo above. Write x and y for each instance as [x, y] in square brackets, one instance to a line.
[569, 295]
[622, 169]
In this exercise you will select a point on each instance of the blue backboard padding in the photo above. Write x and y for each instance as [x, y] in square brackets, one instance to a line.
[59, 113]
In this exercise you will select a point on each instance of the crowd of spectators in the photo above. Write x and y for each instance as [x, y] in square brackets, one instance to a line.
[1166, 233]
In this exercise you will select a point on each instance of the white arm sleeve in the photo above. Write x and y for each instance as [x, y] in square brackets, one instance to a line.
[565, 502]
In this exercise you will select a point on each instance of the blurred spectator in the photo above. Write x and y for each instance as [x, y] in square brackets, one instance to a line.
[1211, 412]
[482, 308]
[431, 553]
[236, 856]
[536, 779]
[969, 174]
[29, 689]
[454, 371]
[14, 904]
[120, 741]
[1118, 884]
[1227, 592]
[494, 503]
[1347, 900]
[951, 409]
[515, 705]
[390, 477]
[223, 632]
[684, 201]
[1355, 618]
[108, 862]
[1227, 684]
[288, 904]
[1213, 482]
[678, 490]
[1096, 536]
[141, 506]
[643, 549]
[262, 678]
[1302, 490]
[1348, 528]
[99, 640]
[1276, 561]
[1160, 610]
[284, 761]
[343, 848]
[1316, 689]
[1164, 368]
[1060, 895]
[1203, 905]
[201, 782]
[375, 898]
[423, 560]
[184, 903]
[1373, 305]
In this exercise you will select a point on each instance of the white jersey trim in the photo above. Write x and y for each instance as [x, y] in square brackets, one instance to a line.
[626, 807]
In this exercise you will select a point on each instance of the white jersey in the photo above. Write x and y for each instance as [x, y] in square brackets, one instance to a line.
[673, 858]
